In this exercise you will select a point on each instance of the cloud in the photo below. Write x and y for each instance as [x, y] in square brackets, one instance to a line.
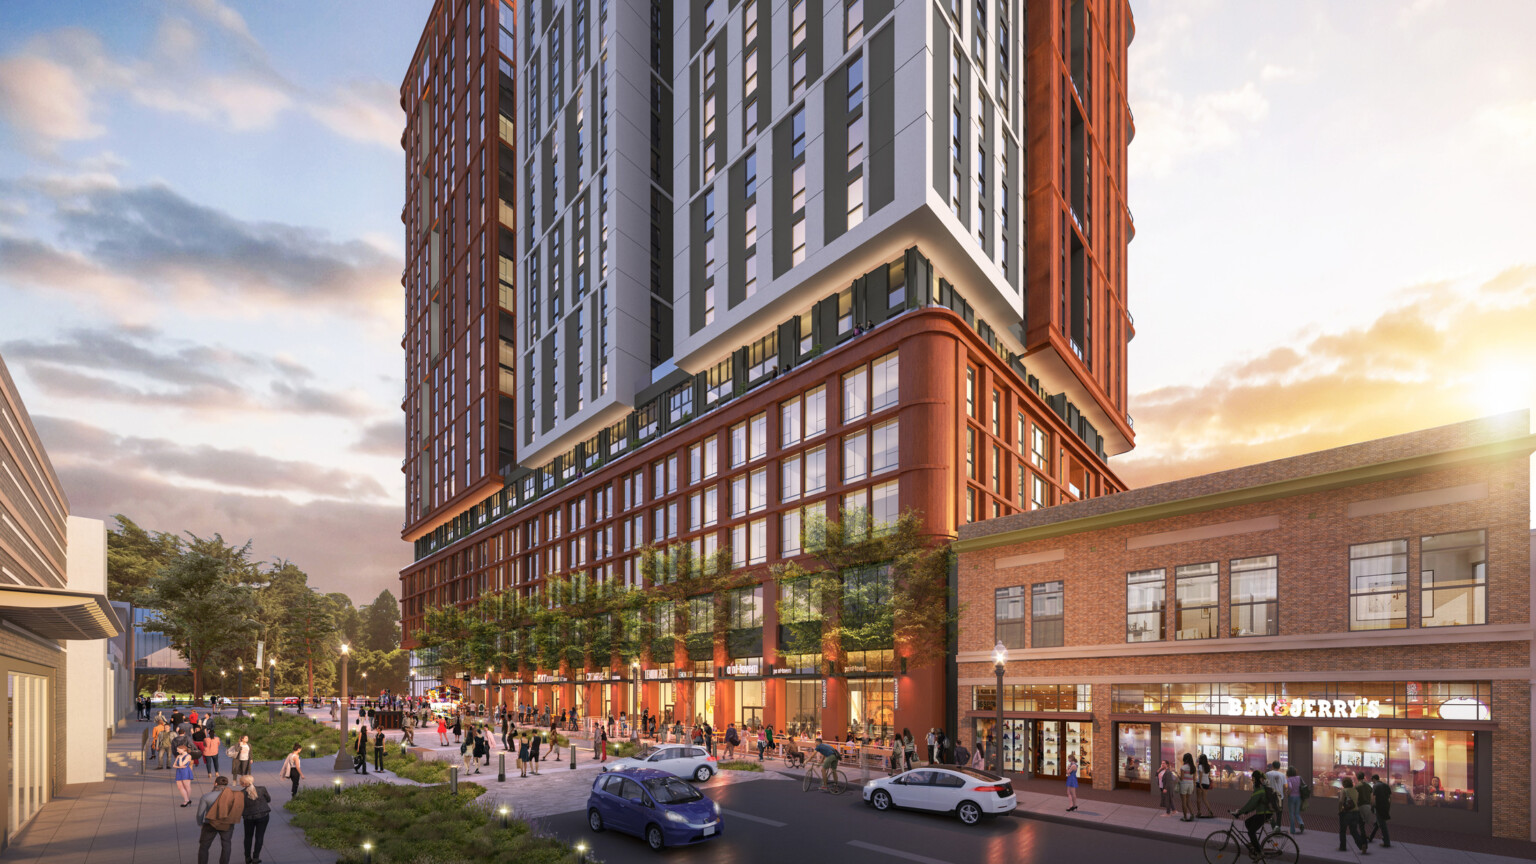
[1171, 126]
[44, 101]
[1511, 124]
[142, 244]
[384, 438]
[361, 110]
[1440, 355]
[216, 466]
[343, 545]
[139, 366]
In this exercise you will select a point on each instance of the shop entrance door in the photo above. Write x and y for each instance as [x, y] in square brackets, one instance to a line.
[1050, 754]
[1133, 763]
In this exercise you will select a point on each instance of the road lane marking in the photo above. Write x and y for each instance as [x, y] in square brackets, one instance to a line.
[750, 818]
[886, 850]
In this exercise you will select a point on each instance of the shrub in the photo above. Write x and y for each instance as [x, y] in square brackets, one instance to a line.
[276, 741]
[741, 765]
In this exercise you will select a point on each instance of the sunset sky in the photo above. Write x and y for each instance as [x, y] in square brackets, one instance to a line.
[200, 245]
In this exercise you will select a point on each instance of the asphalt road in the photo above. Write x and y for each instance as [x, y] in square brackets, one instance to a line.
[770, 821]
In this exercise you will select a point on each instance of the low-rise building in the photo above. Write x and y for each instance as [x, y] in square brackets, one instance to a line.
[1364, 609]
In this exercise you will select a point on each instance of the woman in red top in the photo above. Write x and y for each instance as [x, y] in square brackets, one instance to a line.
[442, 731]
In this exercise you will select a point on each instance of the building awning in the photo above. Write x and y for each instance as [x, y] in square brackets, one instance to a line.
[59, 614]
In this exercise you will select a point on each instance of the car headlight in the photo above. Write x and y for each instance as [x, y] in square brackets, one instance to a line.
[716, 805]
[676, 816]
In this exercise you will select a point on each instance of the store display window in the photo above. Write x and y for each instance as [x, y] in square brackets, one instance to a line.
[802, 708]
[1234, 752]
[1426, 768]
[1134, 765]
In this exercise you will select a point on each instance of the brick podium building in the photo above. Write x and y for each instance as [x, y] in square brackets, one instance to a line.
[1365, 608]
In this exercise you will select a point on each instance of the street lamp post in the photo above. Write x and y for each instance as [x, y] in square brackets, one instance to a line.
[634, 699]
[1001, 653]
[272, 691]
[341, 754]
[488, 691]
[239, 688]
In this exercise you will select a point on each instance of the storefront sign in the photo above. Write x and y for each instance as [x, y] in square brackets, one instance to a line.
[782, 670]
[748, 670]
[616, 678]
[595, 676]
[477, 681]
[896, 694]
[1337, 709]
[652, 674]
[685, 674]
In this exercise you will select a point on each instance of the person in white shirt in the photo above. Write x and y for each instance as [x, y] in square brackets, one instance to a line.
[1274, 778]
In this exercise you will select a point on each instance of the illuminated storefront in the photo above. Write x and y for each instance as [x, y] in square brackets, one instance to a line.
[1043, 726]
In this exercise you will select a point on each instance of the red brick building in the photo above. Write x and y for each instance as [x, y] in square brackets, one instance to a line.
[1365, 608]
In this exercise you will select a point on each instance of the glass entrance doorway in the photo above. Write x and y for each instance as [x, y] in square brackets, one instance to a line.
[30, 788]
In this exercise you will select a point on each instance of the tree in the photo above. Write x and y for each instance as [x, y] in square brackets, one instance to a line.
[379, 623]
[136, 556]
[203, 603]
[348, 621]
[309, 634]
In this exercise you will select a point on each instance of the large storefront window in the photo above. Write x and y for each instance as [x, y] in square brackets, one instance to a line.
[871, 706]
[749, 704]
[1424, 767]
[1234, 752]
[1134, 765]
[1399, 700]
[1040, 747]
[802, 708]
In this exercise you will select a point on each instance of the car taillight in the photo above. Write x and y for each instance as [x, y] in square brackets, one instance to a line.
[989, 788]
[712, 759]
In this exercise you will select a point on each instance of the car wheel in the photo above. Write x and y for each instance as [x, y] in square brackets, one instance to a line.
[594, 820]
[702, 774]
[969, 812]
[654, 839]
[881, 799]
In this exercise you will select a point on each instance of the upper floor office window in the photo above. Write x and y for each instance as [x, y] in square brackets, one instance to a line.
[1378, 585]
[1453, 579]
[1255, 596]
[1145, 596]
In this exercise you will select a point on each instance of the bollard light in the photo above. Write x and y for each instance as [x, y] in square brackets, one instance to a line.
[501, 770]
[311, 751]
[505, 812]
[337, 781]
[367, 853]
[581, 853]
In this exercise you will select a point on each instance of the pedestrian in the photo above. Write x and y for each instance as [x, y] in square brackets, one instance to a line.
[199, 738]
[979, 757]
[908, 749]
[258, 811]
[1261, 807]
[522, 755]
[554, 743]
[211, 754]
[442, 731]
[933, 739]
[1186, 787]
[1071, 782]
[466, 751]
[1165, 783]
[183, 766]
[240, 756]
[292, 769]
[1365, 805]
[709, 738]
[360, 750]
[1382, 793]
[1274, 778]
[962, 755]
[1293, 800]
[533, 751]
[1349, 817]
[762, 743]
[1202, 788]
[458, 727]
[603, 734]
[378, 750]
[732, 738]
[217, 813]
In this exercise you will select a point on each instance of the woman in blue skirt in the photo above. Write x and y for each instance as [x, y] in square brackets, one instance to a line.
[183, 766]
[1071, 783]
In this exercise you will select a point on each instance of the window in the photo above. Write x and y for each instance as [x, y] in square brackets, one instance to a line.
[744, 606]
[757, 438]
[815, 470]
[1046, 618]
[797, 240]
[854, 23]
[796, 23]
[739, 545]
[855, 457]
[757, 543]
[1453, 576]
[885, 506]
[738, 496]
[816, 411]
[997, 473]
[789, 533]
[970, 392]
[1255, 596]
[711, 505]
[711, 455]
[856, 139]
[855, 201]
[1037, 491]
[797, 75]
[797, 142]
[887, 382]
[884, 453]
[1378, 585]
[789, 423]
[970, 453]
[1038, 450]
[855, 394]
[789, 479]
[1009, 619]
[749, 66]
[1195, 601]
[757, 490]
[997, 413]
[738, 445]
[797, 188]
[1145, 594]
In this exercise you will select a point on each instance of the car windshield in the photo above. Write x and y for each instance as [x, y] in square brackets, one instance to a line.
[670, 790]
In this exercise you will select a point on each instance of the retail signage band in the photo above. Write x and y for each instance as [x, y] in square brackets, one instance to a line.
[746, 669]
[1337, 709]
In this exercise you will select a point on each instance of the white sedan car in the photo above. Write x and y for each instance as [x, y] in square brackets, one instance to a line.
[966, 792]
[680, 760]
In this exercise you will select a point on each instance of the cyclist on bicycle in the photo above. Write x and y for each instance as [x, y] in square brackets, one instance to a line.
[1262, 804]
[829, 760]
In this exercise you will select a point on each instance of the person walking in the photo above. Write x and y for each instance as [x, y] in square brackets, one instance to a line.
[167, 749]
[762, 742]
[1349, 817]
[240, 757]
[360, 750]
[458, 727]
[482, 748]
[709, 738]
[293, 769]
[522, 755]
[533, 751]
[1186, 787]
[933, 740]
[199, 739]
[1293, 800]
[211, 754]
[1071, 782]
[1203, 788]
[378, 750]
[217, 813]
[1382, 793]
[603, 735]
[1166, 780]
[979, 756]
[554, 743]
[908, 749]
[442, 731]
[466, 752]
[1274, 778]
[1260, 808]
[258, 811]
[732, 738]
[183, 766]
[1365, 805]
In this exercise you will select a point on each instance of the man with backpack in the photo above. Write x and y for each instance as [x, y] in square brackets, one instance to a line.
[1349, 816]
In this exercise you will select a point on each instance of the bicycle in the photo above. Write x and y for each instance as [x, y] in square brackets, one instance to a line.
[835, 783]
[1230, 844]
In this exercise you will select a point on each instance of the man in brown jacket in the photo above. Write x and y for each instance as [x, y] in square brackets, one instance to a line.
[218, 812]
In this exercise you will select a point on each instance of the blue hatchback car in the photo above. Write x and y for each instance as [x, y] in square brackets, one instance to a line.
[654, 805]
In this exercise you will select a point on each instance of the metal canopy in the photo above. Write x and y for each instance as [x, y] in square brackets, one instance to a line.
[59, 614]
